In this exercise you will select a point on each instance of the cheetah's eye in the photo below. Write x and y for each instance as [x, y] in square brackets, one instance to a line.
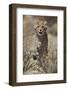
[37, 26]
[42, 26]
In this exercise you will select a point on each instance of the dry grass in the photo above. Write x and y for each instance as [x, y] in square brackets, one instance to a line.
[49, 64]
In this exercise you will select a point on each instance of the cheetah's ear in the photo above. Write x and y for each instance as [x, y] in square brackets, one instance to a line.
[45, 25]
[35, 24]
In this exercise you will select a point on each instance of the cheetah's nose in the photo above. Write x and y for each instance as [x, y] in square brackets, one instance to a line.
[40, 30]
